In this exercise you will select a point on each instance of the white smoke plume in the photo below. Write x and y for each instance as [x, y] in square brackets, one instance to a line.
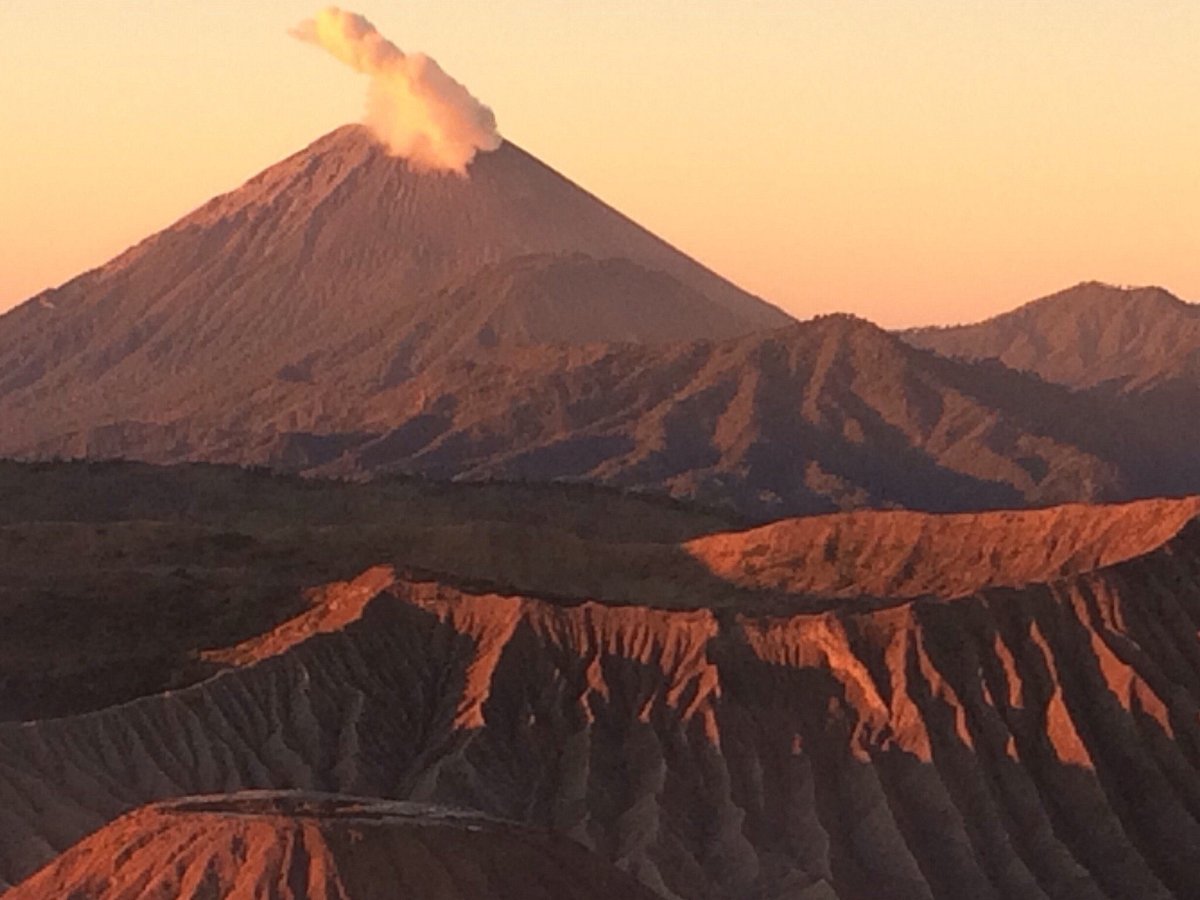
[413, 106]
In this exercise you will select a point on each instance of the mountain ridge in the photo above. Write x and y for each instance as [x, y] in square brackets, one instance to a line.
[341, 315]
[1090, 335]
[817, 416]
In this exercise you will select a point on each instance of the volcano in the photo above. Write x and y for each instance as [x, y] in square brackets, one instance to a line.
[342, 250]
[340, 314]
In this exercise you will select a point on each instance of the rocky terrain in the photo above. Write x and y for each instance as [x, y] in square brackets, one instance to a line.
[304, 846]
[995, 705]
[566, 568]
[114, 576]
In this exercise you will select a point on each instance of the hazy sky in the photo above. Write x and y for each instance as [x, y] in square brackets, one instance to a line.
[912, 161]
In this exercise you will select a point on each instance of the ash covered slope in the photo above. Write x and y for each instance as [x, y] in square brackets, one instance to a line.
[341, 251]
[1023, 741]
[304, 846]
[1132, 339]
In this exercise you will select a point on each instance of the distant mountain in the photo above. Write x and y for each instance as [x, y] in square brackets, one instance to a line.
[341, 314]
[832, 413]
[1130, 339]
[341, 250]
[889, 704]
[828, 414]
[1134, 351]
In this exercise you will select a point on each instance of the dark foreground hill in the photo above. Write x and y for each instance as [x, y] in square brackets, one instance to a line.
[114, 577]
[865, 705]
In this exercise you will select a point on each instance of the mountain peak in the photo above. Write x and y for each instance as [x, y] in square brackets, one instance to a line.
[342, 250]
[1089, 334]
[1100, 297]
[844, 331]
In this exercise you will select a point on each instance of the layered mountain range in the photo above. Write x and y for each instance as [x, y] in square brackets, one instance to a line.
[340, 314]
[340, 255]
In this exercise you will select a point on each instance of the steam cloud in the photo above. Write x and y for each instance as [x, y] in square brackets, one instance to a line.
[413, 106]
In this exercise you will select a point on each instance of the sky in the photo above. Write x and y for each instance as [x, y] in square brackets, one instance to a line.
[911, 161]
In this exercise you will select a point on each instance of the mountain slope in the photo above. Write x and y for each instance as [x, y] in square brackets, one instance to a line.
[342, 246]
[1136, 351]
[828, 414]
[114, 577]
[303, 846]
[902, 554]
[1089, 335]
[1031, 737]
[341, 314]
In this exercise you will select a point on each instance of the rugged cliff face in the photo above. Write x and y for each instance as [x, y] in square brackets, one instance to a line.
[297, 846]
[1031, 732]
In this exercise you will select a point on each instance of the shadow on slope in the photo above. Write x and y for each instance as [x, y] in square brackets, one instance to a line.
[1014, 743]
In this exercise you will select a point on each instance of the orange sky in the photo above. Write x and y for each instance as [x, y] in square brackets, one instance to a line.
[914, 162]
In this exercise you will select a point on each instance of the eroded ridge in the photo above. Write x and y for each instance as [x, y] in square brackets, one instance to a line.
[906, 554]
[305, 846]
[1037, 741]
